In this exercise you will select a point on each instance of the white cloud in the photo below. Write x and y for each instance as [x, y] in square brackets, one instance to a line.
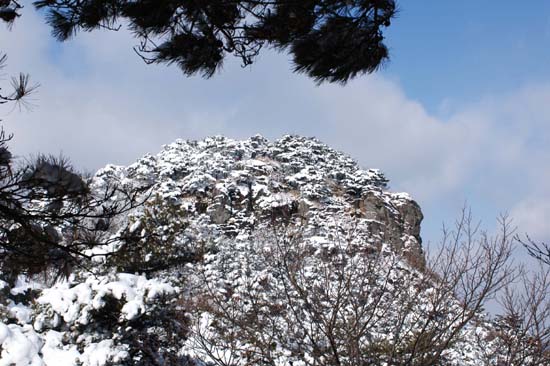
[532, 216]
[99, 103]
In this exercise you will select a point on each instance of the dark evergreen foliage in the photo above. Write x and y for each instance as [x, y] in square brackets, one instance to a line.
[329, 40]
[9, 11]
[49, 216]
[21, 87]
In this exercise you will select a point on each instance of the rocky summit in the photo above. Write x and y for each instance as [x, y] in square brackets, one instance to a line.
[236, 187]
[249, 253]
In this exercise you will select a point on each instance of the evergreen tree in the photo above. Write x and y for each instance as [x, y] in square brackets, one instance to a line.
[50, 218]
[329, 40]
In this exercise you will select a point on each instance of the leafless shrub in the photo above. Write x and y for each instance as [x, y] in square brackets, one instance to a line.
[290, 297]
[539, 251]
[521, 334]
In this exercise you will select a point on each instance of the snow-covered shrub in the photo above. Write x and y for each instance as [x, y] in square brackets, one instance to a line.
[154, 239]
[120, 319]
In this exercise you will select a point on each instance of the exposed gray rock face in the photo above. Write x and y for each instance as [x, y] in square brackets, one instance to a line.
[398, 221]
[236, 188]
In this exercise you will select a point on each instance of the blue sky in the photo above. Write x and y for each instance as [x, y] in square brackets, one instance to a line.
[455, 52]
[459, 115]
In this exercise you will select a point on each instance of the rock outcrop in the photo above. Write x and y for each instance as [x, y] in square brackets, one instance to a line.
[237, 187]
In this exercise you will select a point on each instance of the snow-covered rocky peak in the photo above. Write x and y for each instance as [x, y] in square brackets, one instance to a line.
[236, 187]
[250, 253]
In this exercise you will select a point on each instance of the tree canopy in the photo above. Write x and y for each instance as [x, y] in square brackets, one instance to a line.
[329, 40]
